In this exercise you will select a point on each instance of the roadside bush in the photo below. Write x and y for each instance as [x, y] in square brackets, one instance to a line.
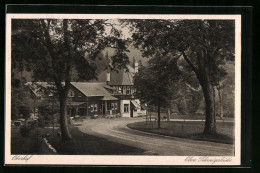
[32, 123]
[118, 115]
[17, 123]
[46, 112]
[95, 116]
[110, 116]
[36, 142]
[41, 122]
[24, 111]
[25, 130]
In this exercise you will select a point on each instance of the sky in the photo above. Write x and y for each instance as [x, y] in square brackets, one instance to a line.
[125, 31]
[125, 34]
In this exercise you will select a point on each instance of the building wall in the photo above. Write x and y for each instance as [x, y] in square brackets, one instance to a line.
[87, 109]
[78, 96]
[136, 113]
[124, 114]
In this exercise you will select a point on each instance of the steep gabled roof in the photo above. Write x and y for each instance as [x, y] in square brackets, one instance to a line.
[92, 89]
[119, 77]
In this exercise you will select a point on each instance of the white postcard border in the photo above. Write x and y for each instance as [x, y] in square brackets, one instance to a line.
[122, 160]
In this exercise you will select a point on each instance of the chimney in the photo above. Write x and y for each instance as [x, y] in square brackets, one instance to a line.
[108, 75]
[136, 66]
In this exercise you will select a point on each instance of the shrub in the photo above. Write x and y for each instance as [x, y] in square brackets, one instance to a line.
[41, 122]
[95, 116]
[46, 113]
[24, 111]
[32, 123]
[25, 130]
[110, 116]
[36, 142]
[17, 123]
[118, 115]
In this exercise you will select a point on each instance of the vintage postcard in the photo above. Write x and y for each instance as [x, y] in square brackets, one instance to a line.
[117, 89]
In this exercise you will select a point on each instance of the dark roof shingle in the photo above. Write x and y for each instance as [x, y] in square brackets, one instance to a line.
[92, 89]
[119, 77]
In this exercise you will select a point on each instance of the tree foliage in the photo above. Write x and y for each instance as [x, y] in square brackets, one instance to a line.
[205, 45]
[53, 48]
[22, 104]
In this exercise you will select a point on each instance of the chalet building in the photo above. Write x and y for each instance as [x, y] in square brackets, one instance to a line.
[112, 93]
[88, 99]
[122, 81]
[84, 98]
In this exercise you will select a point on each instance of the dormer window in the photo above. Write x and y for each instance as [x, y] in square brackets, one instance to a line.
[120, 89]
[124, 90]
[128, 90]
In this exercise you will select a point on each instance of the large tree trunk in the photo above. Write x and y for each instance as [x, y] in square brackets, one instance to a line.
[202, 73]
[210, 124]
[214, 101]
[65, 134]
[159, 117]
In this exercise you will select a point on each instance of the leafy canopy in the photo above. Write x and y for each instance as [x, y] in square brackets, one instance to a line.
[51, 48]
[188, 39]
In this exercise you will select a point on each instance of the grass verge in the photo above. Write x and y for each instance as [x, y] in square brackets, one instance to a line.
[83, 144]
[31, 144]
[191, 117]
[189, 130]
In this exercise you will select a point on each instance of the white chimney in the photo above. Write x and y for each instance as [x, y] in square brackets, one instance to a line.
[136, 67]
[108, 74]
[108, 77]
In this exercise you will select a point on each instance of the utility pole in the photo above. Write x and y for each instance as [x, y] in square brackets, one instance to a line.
[53, 114]
[150, 115]
[159, 116]
[53, 100]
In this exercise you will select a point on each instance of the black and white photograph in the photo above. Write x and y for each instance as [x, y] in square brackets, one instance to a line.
[107, 89]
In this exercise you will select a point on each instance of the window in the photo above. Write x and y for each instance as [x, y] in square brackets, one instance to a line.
[116, 106]
[93, 107]
[120, 89]
[124, 90]
[79, 95]
[126, 107]
[112, 106]
[128, 90]
[108, 106]
[71, 93]
[115, 90]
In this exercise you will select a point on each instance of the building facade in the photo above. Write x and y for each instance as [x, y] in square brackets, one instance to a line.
[113, 93]
[122, 81]
[88, 99]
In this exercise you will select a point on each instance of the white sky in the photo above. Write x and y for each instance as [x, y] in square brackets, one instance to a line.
[125, 31]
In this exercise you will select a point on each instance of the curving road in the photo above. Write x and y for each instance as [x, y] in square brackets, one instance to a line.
[116, 130]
